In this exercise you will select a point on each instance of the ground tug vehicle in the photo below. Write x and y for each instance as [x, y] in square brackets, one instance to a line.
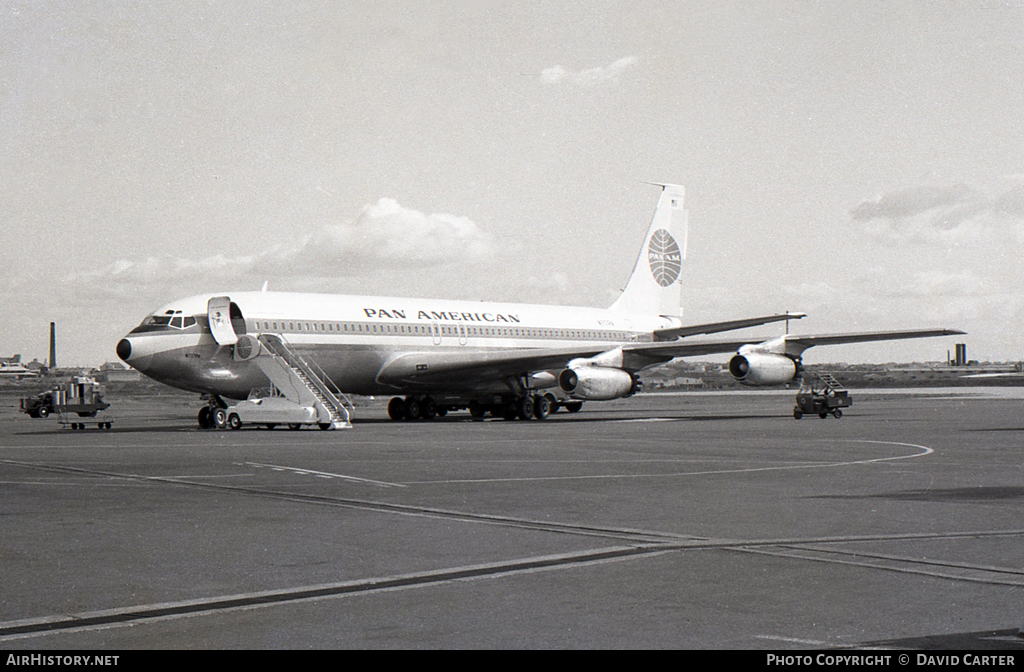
[81, 397]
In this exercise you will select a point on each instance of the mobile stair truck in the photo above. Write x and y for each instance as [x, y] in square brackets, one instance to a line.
[822, 395]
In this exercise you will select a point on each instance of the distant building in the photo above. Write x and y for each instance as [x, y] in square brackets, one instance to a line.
[115, 372]
[11, 367]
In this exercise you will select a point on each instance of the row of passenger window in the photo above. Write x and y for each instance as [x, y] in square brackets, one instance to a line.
[434, 330]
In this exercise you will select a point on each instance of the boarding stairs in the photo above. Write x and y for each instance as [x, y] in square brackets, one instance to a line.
[829, 381]
[304, 382]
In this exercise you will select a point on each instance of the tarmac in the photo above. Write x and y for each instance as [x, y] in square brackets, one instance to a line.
[682, 521]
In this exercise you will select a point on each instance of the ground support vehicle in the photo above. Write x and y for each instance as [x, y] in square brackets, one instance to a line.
[80, 398]
[822, 395]
[267, 410]
[70, 420]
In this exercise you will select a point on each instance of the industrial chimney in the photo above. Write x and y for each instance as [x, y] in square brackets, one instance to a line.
[53, 346]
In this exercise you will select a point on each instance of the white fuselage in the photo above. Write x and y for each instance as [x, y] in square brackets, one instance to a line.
[353, 337]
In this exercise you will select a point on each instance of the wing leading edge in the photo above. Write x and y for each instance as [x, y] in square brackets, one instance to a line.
[716, 327]
[470, 368]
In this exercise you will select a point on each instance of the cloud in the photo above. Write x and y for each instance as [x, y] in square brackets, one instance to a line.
[913, 201]
[953, 216]
[387, 235]
[593, 77]
[385, 239]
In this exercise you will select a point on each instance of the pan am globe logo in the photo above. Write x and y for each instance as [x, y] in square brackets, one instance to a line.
[664, 256]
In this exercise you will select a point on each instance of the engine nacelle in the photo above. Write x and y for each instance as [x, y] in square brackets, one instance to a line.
[760, 368]
[248, 347]
[597, 383]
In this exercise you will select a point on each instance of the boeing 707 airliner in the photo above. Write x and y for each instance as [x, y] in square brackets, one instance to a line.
[434, 355]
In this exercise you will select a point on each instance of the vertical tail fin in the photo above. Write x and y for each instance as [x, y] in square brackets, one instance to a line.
[654, 287]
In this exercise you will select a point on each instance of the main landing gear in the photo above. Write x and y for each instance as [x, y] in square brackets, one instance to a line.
[528, 407]
[213, 417]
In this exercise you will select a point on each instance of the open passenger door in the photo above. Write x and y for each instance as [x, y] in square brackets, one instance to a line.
[219, 312]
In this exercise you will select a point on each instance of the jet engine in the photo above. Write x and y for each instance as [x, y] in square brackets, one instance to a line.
[597, 383]
[760, 368]
[247, 347]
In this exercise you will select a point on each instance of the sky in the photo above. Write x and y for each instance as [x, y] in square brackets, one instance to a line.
[862, 162]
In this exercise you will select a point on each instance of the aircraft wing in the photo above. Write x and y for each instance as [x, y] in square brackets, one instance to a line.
[469, 368]
[466, 369]
[789, 344]
[715, 327]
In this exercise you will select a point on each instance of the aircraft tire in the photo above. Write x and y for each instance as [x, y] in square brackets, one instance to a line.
[219, 417]
[412, 408]
[508, 409]
[541, 408]
[428, 409]
[205, 421]
[524, 408]
[477, 410]
[396, 409]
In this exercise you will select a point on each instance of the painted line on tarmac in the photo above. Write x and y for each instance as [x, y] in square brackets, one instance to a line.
[792, 640]
[925, 450]
[325, 474]
[641, 537]
[150, 613]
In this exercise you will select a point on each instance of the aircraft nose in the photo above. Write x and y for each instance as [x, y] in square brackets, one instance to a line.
[136, 353]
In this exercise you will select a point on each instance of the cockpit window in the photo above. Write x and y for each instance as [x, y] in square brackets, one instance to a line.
[171, 318]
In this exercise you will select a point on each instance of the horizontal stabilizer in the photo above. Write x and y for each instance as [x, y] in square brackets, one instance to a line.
[716, 327]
